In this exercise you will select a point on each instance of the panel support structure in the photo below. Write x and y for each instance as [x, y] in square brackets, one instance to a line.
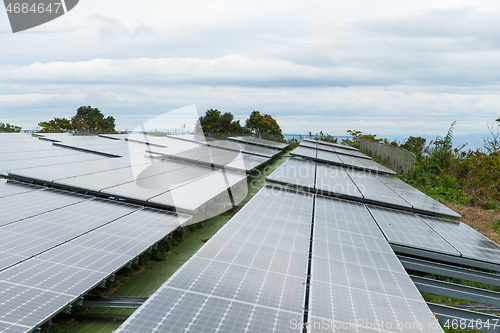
[420, 265]
[445, 257]
[456, 291]
[465, 319]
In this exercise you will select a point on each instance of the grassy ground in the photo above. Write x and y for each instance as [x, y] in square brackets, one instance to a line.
[145, 282]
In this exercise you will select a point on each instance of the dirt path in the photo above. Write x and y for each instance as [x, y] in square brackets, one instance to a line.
[480, 219]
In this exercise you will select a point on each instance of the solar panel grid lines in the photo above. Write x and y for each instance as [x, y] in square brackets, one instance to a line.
[357, 280]
[355, 153]
[333, 180]
[332, 144]
[407, 229]
[15, 209]
[254, 281]
[9, 188]
[371, 188]
[243, 147]
[420, 201]
[340, 159]
[260, 142]
[470, 243]
[305, 152]
[295, 172]
[61, 271]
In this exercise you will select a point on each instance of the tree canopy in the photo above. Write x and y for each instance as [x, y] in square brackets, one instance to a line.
[215, 123]
[263, 125]
[415, 144]
[6, 127]
[86, 120]
[91, 120]
[56, 125]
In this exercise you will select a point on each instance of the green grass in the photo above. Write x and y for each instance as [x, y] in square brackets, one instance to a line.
[101, 320]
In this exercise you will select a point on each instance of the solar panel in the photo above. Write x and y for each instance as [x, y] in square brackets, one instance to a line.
[305, 152]
[49, 260]
[340, 159]
[191, 137]
[260, 142]
[407, 229]
[328, 157]
[246, 163]
[150, 187]
[9, 188]
[333, 180]
[465, 239]
[357, 282]
[331, 144]
[14, 208]
[247, 277]
[295, 172]
[420, 201]
[351, 152]
[197, 196]
[309, 144]
[374, 191]
[243, 147]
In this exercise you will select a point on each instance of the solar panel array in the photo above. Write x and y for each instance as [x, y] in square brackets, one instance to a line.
[435, 234]
[334, 149]
[260, 142]
[244, 147]
[357, 282]
[57, 248]
[334, 157]
[407, 229]
[357, 185]
[253, 275]
[332, 144]
[470, 243]
[134, 176]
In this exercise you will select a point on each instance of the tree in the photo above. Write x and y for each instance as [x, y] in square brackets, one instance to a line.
[56, 125]
[263, 125]
[91, 120]
[356, 135]
[214, 123]
[6, 127]
[415, 145]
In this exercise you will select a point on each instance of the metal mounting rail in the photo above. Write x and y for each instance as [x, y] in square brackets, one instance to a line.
[425, 266]
[456, 291]
[465, 319]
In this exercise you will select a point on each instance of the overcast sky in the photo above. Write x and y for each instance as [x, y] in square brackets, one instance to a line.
[387, 66]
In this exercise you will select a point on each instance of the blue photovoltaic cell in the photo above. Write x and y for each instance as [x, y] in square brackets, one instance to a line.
[294, 172]
[420, 201]
[357, 278]
[48, 258]
[249, 277]
[333, 180]
[305, 152]
[404, 228]
[375, 191]
[260, 142]
[468, 241]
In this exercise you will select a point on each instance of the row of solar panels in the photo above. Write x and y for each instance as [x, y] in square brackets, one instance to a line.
[165, 184]
[341, 160]
[331, 144]
[334, 149]
[356, 185]
[286, 259]
[55, 246]
[184, 183]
